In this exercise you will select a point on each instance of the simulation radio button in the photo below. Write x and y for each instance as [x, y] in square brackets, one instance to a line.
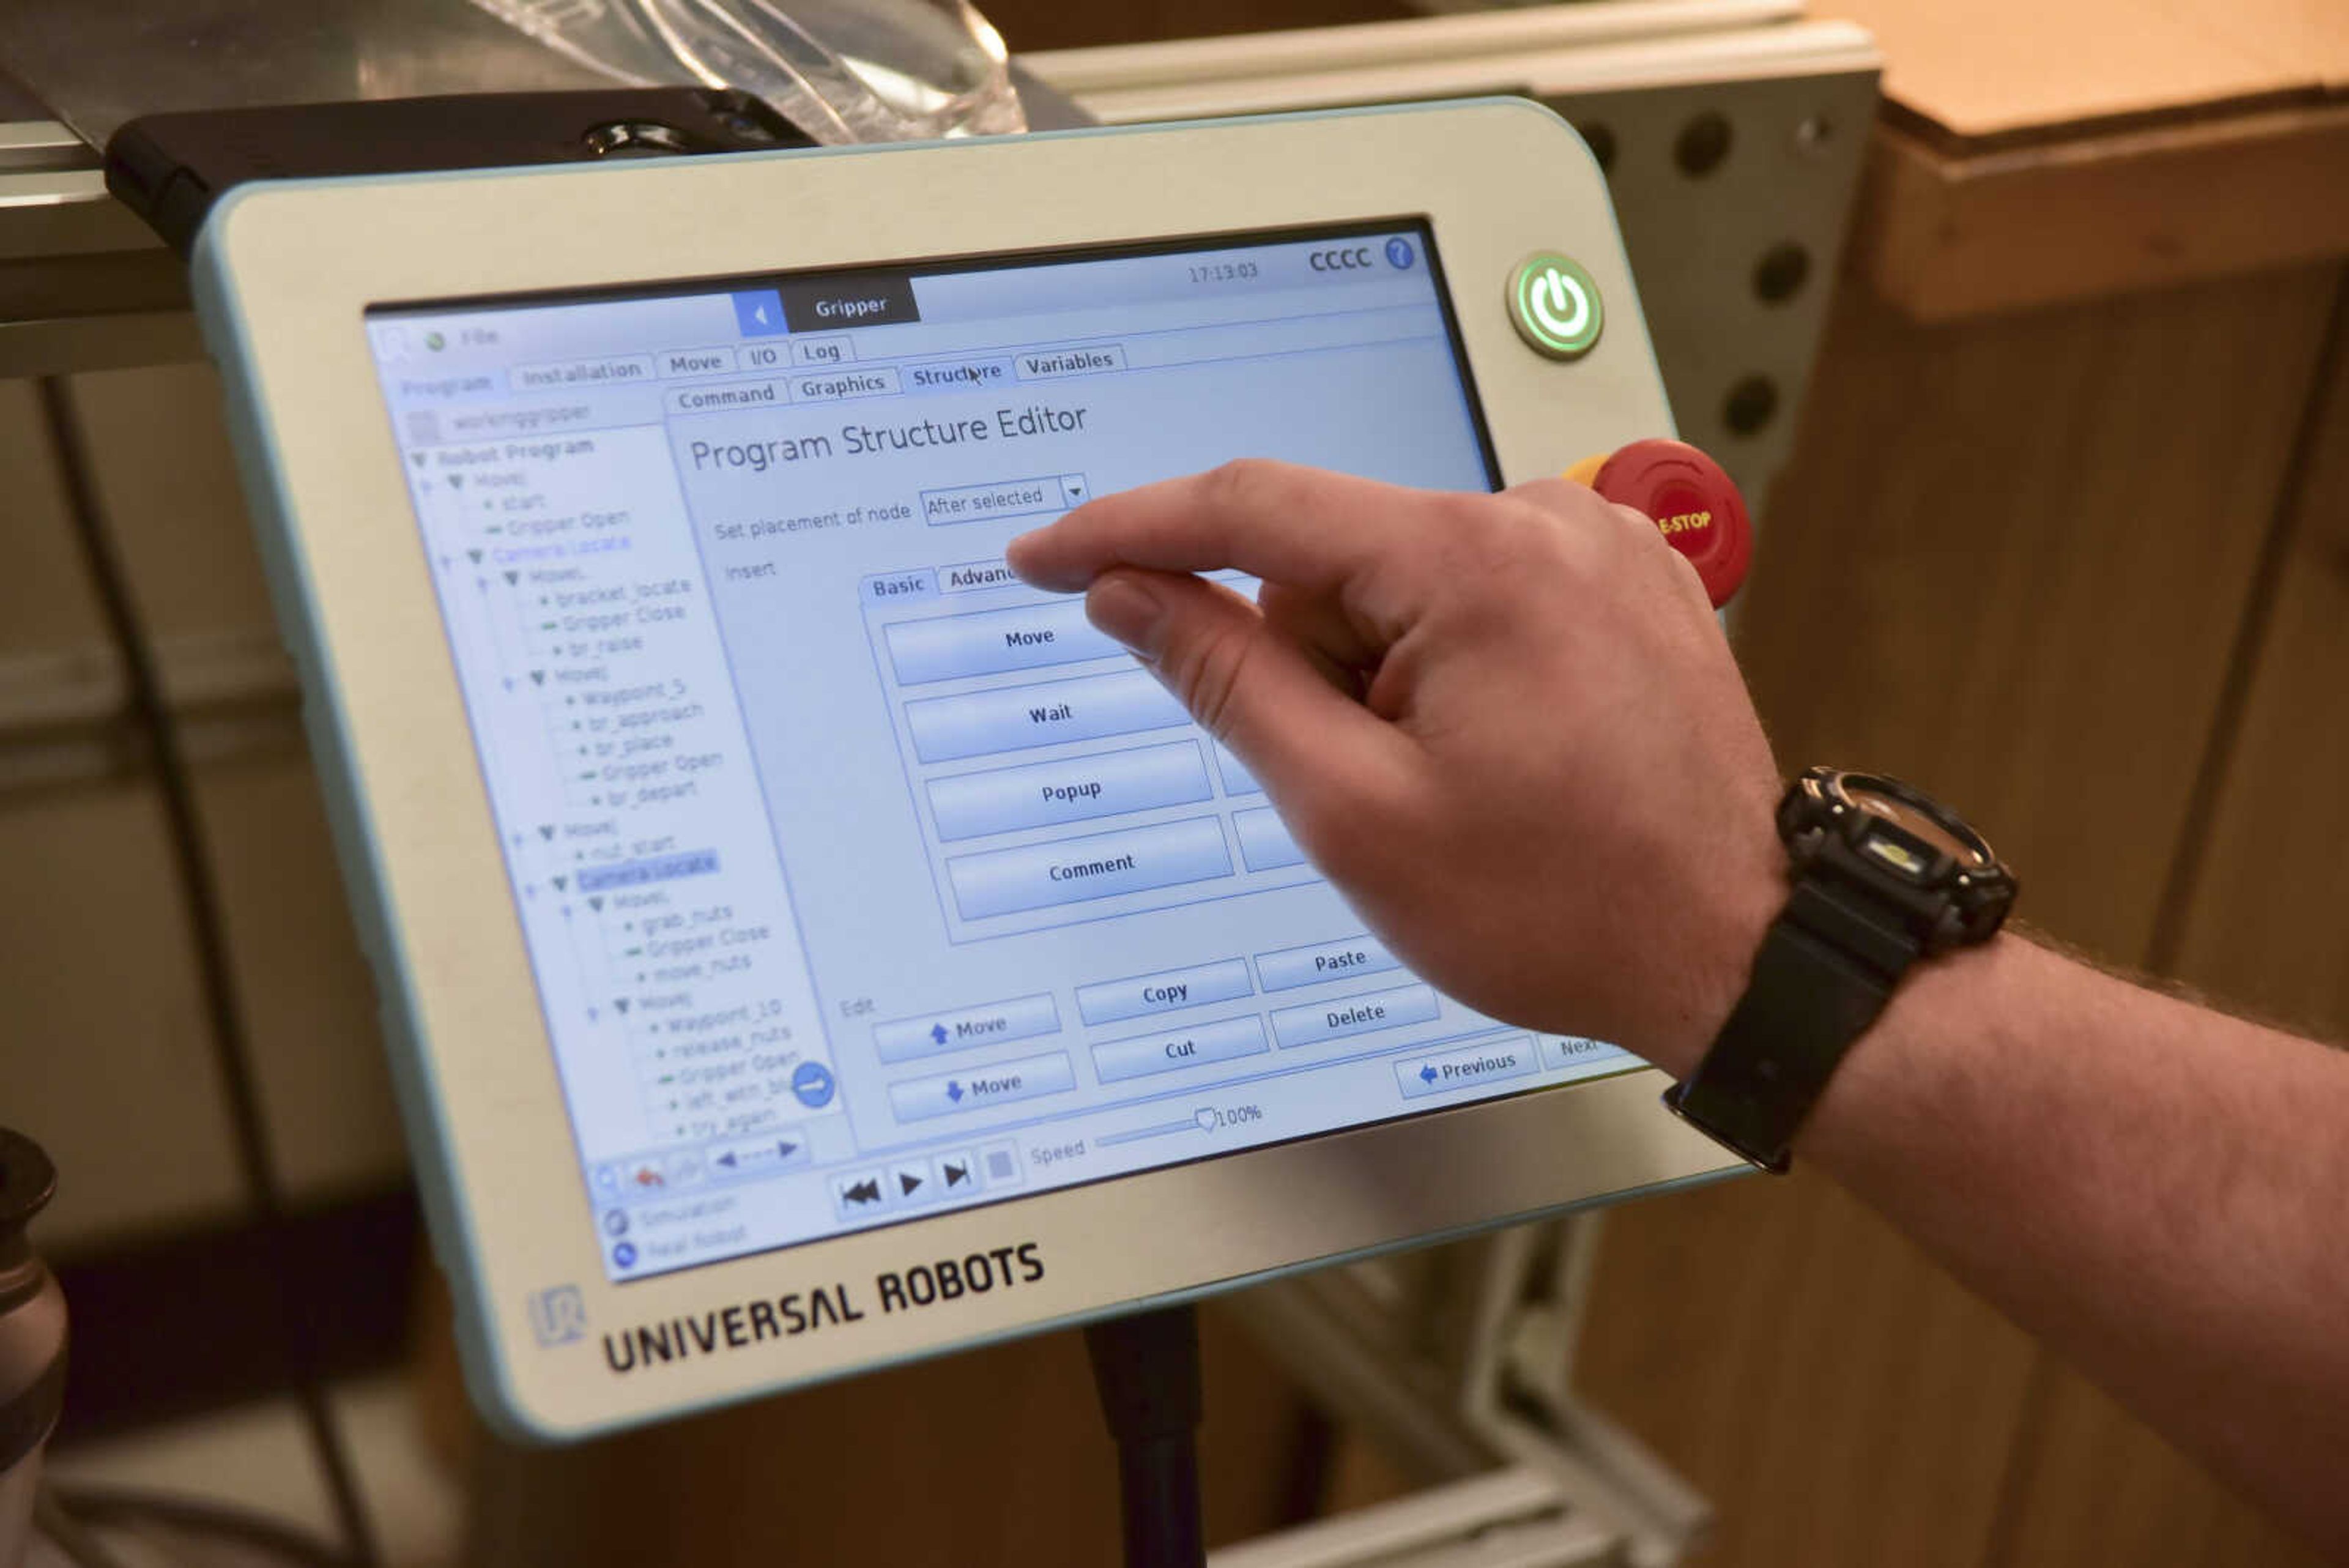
[1555, 306]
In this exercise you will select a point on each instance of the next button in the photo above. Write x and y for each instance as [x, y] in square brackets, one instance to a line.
[1344, 1015]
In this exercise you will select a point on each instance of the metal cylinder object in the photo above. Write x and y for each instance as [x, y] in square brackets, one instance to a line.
[32, 1341]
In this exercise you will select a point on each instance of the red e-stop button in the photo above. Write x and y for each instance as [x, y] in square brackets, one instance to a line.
[1691, 502]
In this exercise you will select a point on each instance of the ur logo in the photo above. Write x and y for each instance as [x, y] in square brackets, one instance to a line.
[558, 1316]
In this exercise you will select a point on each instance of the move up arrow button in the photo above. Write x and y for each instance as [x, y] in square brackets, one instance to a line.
[959, 1029]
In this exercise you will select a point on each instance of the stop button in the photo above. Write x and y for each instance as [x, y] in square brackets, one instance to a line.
[1692, 503]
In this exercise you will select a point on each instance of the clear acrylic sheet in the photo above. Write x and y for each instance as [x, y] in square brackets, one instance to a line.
[842, 71]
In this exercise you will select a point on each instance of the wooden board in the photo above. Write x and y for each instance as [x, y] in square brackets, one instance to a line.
[2092, 1484]
[2279, 841]
[2260, 928]
[1947, 233]
[2007, 560]
[2000, 66]
[994, 1456]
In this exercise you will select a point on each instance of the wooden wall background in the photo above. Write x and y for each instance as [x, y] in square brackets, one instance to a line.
[2082, 568]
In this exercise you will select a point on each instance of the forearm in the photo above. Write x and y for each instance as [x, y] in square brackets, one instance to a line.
[2161, 1193]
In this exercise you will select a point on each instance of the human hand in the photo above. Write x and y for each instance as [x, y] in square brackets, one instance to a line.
[1508, 727]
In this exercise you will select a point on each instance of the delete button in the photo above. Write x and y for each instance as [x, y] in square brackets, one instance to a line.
[1344, 1015]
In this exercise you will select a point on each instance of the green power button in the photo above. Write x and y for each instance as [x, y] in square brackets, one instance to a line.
[1555, 306]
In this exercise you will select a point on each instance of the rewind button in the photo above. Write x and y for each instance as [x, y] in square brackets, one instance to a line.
[859, 1193]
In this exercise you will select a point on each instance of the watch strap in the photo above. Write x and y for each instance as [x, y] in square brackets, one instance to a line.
[1824, 969]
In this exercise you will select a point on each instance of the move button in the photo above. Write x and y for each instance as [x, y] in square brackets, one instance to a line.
[1000, 1082]
[961, 1029]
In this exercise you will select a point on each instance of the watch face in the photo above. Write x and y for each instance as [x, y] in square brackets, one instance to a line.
[1917, 824]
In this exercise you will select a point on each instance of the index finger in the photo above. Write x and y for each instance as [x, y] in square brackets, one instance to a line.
[1305, 527]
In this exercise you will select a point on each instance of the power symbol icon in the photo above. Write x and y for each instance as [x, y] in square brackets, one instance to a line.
[1555, 306]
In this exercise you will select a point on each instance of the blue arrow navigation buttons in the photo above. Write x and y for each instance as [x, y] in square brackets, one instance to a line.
[1468, 1067]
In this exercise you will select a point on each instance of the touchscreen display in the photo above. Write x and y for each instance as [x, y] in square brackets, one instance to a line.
[859, 880]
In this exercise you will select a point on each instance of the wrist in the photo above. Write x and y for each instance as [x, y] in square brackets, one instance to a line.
[1883, 879]
[1738, 917]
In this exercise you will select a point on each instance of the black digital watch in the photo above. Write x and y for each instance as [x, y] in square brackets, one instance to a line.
[1882, 875]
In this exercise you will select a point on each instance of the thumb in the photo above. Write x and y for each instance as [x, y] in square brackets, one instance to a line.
[1247, 685]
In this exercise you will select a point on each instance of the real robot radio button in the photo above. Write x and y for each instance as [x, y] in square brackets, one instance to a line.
[1555, 306]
